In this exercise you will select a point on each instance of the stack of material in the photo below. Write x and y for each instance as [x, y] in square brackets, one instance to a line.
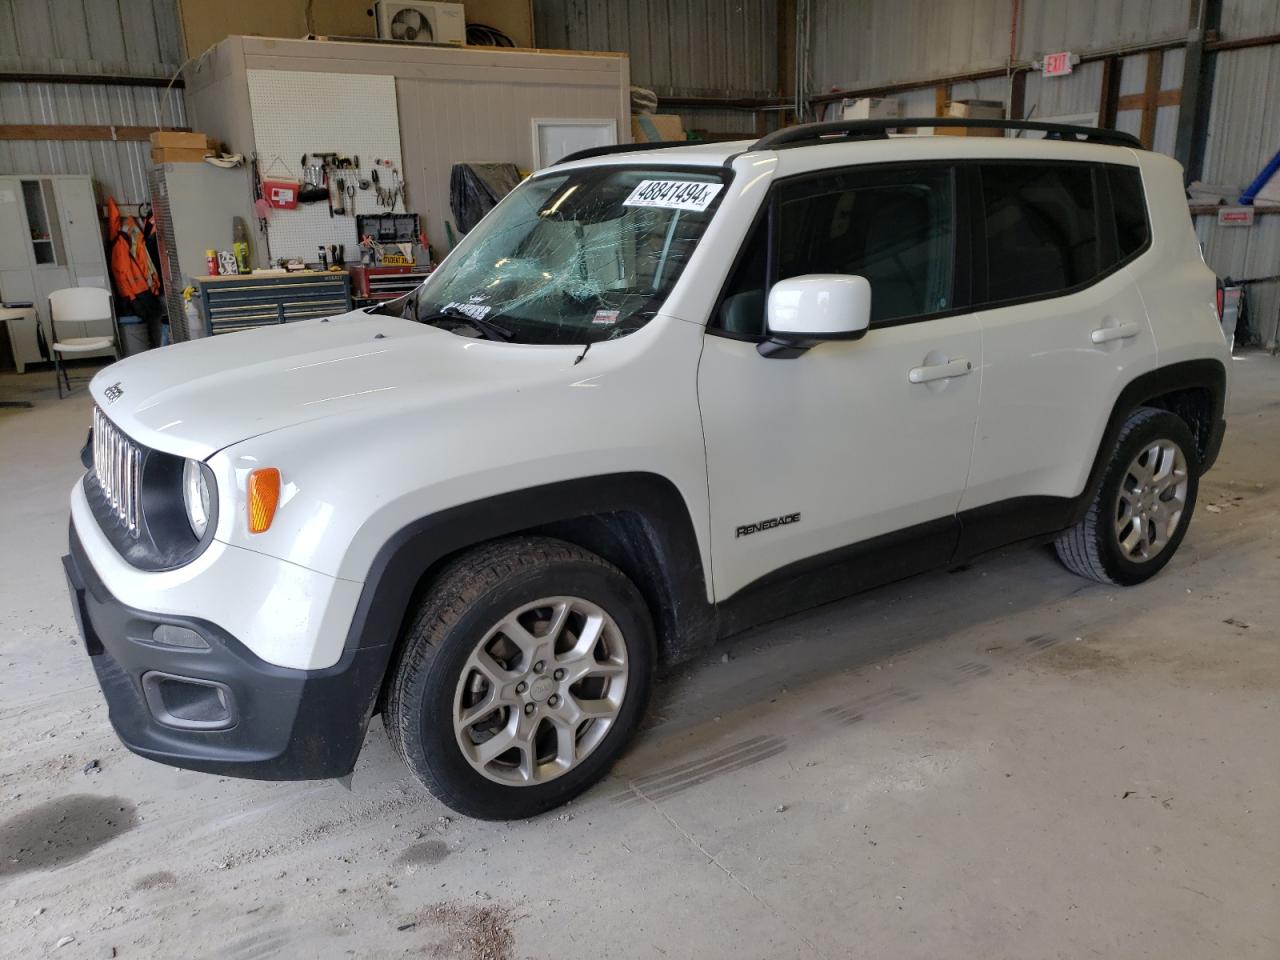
[170, 146]
[975, 110]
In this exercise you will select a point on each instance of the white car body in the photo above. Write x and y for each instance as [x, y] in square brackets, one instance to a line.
[377, 422]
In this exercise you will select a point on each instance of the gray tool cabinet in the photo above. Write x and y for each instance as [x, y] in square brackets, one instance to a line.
[242, 301]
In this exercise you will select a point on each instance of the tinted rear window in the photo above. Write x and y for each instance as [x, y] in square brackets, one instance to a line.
[1130, 205]
[1042, 229]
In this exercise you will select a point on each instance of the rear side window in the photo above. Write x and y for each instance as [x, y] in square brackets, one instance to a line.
[1042, 229]
[1130, 206]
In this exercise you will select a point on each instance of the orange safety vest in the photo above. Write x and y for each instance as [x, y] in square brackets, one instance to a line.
[131, 266]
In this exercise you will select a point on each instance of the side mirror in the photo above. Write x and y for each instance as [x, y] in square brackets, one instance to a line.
[804, 311]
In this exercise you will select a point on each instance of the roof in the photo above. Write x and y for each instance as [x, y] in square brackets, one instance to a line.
[861, 141]
[696, 153]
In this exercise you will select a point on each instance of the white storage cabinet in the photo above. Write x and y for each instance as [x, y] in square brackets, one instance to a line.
[50, 238]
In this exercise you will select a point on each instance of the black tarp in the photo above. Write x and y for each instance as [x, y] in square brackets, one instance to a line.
[476, 188]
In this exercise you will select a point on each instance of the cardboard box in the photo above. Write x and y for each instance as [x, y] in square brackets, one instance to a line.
[651, 127]
[976, 109]
[869, 108]
[183, 141]
[179, 154]
[973, 110]
[969, 131]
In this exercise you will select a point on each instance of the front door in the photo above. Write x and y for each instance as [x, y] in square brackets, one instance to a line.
[851, 440]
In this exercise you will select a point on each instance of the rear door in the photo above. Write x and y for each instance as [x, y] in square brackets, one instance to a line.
[854, 442]
[1064, 327]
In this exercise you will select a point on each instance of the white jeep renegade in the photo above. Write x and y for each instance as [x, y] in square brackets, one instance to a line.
[655, 397]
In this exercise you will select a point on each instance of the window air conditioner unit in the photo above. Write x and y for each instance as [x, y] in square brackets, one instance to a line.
[420, 22]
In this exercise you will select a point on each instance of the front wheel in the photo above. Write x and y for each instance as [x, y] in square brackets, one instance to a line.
[525, 671]
[1143, 505]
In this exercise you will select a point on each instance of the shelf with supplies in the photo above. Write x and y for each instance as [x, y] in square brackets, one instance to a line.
[243, 301]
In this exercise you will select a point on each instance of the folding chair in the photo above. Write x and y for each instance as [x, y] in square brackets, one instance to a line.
[74, 312]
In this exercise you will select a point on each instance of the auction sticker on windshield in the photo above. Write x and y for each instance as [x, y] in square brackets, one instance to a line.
[673, 194]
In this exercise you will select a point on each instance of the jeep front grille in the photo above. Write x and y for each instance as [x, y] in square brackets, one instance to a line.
[117, 466]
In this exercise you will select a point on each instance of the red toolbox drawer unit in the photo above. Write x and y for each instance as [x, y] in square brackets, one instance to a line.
[372, 284]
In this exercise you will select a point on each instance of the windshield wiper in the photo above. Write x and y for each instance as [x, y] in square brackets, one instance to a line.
[491, 330]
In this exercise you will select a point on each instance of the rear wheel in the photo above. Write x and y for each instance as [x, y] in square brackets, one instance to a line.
[1143, 505]
[525, 671]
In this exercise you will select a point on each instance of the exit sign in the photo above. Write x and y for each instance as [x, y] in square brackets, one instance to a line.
[1056, 64]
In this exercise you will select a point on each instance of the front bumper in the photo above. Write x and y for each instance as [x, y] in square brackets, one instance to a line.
[220, 708]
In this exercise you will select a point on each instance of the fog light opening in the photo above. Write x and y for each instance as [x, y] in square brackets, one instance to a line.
[188, 703]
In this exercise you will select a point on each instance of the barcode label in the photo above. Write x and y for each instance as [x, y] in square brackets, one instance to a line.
[673, 194]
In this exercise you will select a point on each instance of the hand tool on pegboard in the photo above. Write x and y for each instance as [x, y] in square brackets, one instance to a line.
[260, 206]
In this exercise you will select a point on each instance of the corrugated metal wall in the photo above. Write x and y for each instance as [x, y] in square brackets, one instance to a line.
[677, 47]
[114, 37]
[118, 167]
[90, 36]
[1250, 18]
[691, 47]
[1244, 133]
[1244, 128]
[1246, 253]
[1050, 25]
[888, 41]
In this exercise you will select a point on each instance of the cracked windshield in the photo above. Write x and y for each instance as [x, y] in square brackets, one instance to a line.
[578, 257]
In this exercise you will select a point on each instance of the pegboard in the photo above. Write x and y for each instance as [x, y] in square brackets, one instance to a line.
[297, 112]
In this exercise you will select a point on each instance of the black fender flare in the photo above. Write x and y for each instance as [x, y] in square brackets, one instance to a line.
[1204, 374]
[677, 584]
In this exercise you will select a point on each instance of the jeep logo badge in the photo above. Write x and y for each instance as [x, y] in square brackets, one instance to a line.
[113, 392]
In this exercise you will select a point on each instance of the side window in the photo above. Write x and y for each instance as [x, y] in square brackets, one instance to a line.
[1130, 206]
[1042, 229]
[896, 227]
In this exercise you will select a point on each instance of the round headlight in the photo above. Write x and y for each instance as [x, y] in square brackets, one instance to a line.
[195, 496]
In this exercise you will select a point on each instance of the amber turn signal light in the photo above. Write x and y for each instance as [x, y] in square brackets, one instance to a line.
[264, 497]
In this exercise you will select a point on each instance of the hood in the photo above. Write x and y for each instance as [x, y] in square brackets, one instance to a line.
[192, 399]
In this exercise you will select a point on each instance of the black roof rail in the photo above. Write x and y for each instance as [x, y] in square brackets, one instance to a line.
[590, 152]
[841, 131]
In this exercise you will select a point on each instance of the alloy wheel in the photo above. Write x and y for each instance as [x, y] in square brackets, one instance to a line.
[1151, 500]
[540, 691]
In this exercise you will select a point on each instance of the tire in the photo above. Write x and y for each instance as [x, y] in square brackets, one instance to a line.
[442, 682]
[1093, 548]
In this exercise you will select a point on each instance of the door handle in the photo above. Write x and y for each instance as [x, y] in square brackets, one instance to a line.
[958, 367]
[1126, 331]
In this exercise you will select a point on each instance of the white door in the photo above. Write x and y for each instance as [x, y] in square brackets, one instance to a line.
[15, 237]
[851, 440]
[82, 230]
[1071, 330]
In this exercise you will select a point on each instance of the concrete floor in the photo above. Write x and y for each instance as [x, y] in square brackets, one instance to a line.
[1001, 762]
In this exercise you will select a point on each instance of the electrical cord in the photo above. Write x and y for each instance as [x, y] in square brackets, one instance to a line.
[483, 35]
[174, 79]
